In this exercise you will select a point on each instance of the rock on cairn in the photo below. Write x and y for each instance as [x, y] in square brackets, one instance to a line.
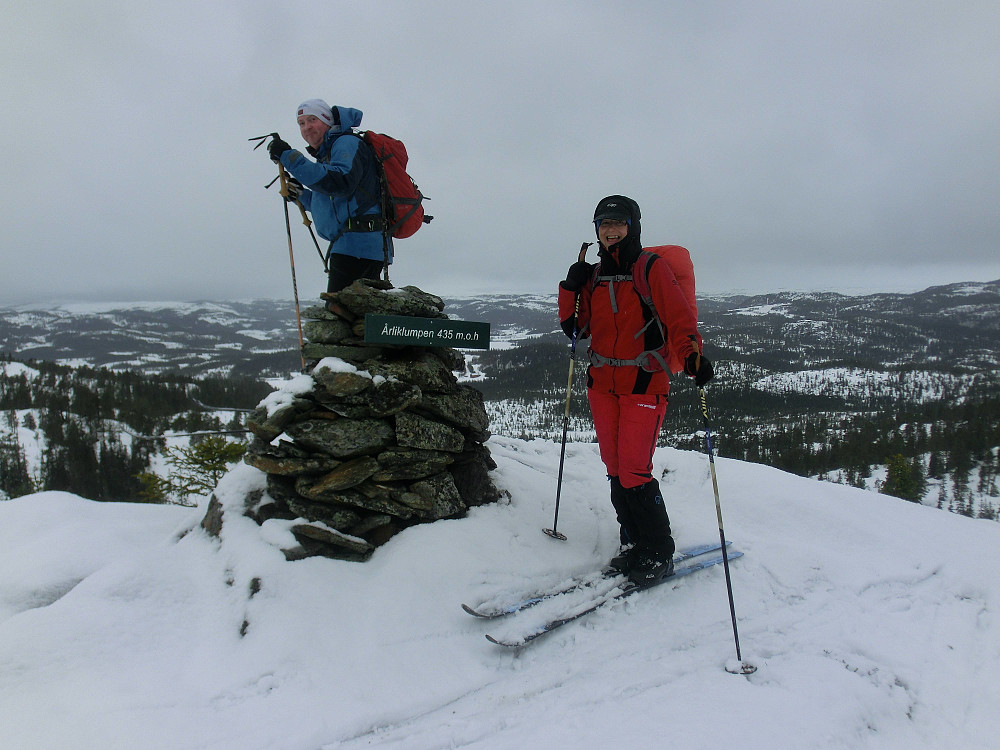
[382, 438]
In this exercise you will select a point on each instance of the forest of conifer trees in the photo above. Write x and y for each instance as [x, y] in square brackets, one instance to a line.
[98, 430]
[950, 440]
[899, 393]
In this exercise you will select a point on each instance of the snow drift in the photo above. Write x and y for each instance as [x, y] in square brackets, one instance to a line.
[873, 621]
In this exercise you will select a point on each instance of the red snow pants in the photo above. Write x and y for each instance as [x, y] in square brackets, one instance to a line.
[627, 427]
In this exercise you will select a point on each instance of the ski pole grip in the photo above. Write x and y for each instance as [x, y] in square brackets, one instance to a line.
[283, 189]
[302, 210]
[576, 309]
[697, 348]
[283, 176]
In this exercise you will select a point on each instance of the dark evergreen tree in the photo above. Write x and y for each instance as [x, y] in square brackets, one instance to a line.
[15, 480]
[935, 466]
[904, 478]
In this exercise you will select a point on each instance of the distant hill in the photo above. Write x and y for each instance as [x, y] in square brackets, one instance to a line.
[821, 384]
[949, 326]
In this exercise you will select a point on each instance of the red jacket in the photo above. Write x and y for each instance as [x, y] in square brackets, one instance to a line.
[613, 335]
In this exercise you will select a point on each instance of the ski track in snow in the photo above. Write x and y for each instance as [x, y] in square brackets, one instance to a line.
[873, 622]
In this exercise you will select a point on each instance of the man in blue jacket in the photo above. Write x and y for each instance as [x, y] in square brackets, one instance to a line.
[341, 190]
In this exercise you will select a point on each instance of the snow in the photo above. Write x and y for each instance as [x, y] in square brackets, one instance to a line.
[762, 310]
[511, 336]
[335, 364]
[843, 382]
[873, 623]
[254, 333]
[16, 369]
[101, 308]
[285, 392]
[32, 442]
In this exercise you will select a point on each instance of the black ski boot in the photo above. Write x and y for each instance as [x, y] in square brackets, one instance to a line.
[620, 563]
[628, 531]
[649, 567]
[652, 558]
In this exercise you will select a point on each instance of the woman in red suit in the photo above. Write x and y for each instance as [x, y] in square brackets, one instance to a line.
[628, 380]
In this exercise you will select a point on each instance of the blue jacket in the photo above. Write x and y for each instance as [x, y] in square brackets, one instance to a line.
[342, 183]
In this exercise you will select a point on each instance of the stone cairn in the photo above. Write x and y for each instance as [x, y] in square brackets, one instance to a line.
[388, 440]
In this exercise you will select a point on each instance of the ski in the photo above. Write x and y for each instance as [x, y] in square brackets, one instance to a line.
[490, 611]
[616, 594]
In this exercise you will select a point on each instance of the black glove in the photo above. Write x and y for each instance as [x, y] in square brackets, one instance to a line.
[276, 148]
[577, 276]
[699, 368]
[294, 189]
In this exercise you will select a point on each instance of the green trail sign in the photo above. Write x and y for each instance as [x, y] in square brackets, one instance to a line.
[406, 331]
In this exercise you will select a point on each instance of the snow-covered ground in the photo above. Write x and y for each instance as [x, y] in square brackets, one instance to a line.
[873, 621]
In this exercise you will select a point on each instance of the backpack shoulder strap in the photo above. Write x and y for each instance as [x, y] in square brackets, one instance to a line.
[640, 278]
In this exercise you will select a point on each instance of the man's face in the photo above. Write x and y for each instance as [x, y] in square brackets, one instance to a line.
[611, 231]
[313, 129]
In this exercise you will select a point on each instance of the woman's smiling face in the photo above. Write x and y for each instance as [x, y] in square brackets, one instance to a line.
[611, 231]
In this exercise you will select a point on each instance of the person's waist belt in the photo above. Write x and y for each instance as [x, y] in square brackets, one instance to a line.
[373, 223]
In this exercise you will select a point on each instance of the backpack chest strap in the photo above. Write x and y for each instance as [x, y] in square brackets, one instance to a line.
[611, 287]
[614, 302]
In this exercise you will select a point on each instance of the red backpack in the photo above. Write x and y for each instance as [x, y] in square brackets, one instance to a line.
[401, 199]
[679, 260]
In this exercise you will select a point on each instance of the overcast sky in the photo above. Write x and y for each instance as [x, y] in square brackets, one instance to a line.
[794, 145]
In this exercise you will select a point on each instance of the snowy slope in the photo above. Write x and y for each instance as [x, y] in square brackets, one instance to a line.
[874, 623]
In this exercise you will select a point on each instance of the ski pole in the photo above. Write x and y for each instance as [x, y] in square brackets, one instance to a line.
[302, 209]
[291, 258]
[569, 392]
[288, 231]
[744, 667]
[308, 222]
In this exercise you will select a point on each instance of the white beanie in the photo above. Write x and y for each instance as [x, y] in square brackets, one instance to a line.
[317, 108]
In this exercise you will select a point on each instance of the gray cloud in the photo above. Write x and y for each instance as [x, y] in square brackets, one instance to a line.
[846, 145]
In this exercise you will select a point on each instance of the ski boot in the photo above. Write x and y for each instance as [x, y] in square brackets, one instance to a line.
[620, 563]
[649, 567]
